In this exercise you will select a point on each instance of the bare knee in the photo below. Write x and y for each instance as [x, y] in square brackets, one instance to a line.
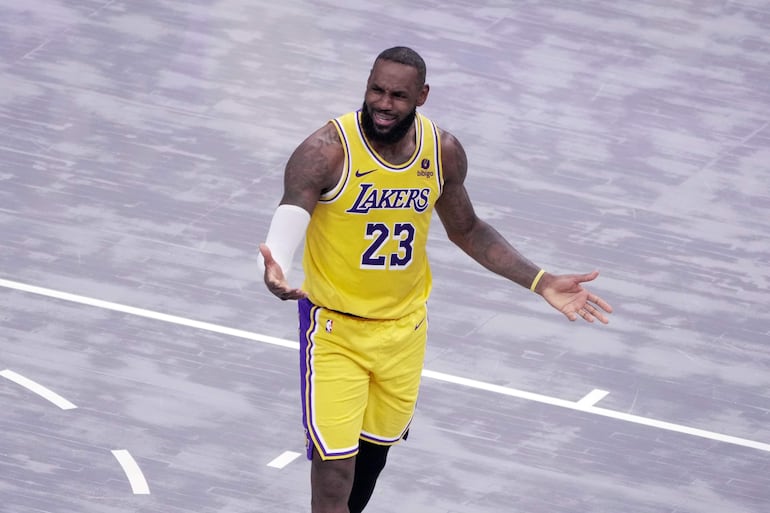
[331, 482]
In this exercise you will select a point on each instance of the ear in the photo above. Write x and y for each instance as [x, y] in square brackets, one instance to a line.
[423, 96]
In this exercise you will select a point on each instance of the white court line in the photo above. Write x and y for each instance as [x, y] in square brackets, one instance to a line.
[284, 459]
[448, 378]
[39, 389]
[593, 397]
[173, 319]
[571, 405]
[133, 472]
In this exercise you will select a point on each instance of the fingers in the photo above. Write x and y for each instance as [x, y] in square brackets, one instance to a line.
[281, 290]
[589, 312]
[275, 279]
[594, 313]
[593, 298]
[566, 294]
[580, 278]
[266, 254]
[273, 272]
[292, 294]
[585, 314]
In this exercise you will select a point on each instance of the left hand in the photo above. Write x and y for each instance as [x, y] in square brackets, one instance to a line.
[564, 292]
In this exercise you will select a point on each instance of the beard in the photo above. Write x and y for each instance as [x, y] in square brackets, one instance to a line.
[396, 132]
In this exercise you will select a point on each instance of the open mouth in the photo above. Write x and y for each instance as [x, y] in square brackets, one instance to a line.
[383, 121]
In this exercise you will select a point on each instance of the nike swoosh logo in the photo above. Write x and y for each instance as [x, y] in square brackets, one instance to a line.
[419, 324]
[359, 174]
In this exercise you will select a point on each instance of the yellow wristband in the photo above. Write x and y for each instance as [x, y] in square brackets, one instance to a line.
[536, 280]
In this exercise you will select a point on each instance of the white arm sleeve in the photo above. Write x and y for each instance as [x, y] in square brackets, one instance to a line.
[287, 229]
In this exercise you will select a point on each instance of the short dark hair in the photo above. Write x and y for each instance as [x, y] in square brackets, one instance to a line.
[404, 55]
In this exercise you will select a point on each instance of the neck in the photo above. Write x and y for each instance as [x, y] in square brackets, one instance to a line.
[396, 152]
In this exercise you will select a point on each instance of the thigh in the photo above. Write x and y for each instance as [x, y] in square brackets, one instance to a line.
[334, 383]
[395, 382]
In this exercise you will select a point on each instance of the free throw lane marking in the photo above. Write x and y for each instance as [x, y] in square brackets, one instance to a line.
[480, 385]
[39, 389]
[284, 459]
[133, 472]
[593, 397]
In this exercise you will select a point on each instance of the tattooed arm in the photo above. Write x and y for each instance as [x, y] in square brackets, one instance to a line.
[313, 168]
[485, 244]
[473, 235]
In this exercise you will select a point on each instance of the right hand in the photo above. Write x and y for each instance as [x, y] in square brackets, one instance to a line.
[276, 280]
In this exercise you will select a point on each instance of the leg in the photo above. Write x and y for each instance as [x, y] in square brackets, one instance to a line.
[334, 387]
[392, 398]
[369, 463]
[334, 382]
[331, 482]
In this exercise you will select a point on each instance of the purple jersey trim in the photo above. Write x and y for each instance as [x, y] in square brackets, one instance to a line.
[308, 323]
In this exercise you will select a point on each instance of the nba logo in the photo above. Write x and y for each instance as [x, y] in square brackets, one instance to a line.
[425, 164]
[329, 325]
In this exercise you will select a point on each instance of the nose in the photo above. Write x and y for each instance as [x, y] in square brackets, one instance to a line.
[384, 102]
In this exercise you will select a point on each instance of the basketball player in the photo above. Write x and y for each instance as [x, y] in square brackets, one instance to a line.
[361, 189]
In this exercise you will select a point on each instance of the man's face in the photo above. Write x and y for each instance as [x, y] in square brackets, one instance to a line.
[393, 93]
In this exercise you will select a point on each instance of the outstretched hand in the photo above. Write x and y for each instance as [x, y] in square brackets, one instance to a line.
[564, 292]
[275, 279]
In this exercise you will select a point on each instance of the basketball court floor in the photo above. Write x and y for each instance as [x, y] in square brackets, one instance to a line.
[144, 368]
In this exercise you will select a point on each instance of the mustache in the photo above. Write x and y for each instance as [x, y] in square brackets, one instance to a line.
[396, 132]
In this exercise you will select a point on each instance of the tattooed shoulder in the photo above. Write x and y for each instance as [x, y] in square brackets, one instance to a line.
[453, 158]
[315, 166]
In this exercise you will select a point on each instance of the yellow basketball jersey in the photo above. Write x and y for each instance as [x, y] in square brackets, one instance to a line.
[365, 244]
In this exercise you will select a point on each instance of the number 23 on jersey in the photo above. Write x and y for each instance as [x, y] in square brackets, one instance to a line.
[376, 257]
